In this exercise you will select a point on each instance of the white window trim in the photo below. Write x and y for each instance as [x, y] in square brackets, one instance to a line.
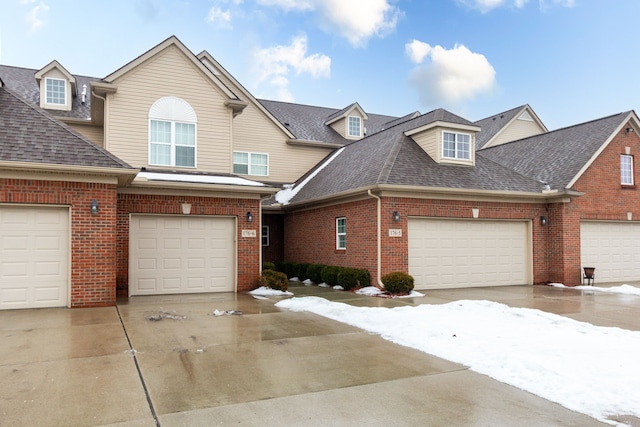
[359, 127]
[338, 234]
[630, 171]
[456, 157]
[249, 168]
[265, 228]
[46, 85]
[174, 145]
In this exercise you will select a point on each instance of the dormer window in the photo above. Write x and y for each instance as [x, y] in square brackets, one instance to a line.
[355, 127]
[456, 145]
[56, 91]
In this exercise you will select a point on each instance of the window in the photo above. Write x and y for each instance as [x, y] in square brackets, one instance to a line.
[250, 163]
[265, 235]
[354, 126]
[626, 169]
[456, 145]
[341, 233]
[56, 91]
[172, 133]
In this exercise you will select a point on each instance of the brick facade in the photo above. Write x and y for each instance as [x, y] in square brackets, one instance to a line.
[248, 248]
[93, 237]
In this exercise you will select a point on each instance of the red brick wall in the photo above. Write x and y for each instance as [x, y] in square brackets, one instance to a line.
[310, 235]
[248, 260]
[275, 251]
[93, 237]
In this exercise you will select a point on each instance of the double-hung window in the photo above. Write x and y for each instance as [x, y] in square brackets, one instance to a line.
[246, 163]
[626, 169]
[172, 133]
[456, 145]
[55, 91]
[355, 126]
[341, 233]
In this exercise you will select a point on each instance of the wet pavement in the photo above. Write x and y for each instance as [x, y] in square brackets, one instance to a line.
[267, 366]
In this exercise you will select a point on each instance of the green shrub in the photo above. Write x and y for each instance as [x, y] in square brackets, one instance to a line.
[274, 280]
[288, 268]
[267, 265]
[314, 273]
[352, 278]
[301, 270]
[398, 283]
[329, 275]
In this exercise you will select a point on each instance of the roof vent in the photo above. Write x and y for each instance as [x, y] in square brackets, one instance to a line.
[84, 94]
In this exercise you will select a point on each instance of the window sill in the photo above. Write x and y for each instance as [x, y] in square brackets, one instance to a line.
[628, 187]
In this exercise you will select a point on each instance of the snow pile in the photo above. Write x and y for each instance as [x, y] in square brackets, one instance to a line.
[588, 369]
[372, 291]
[267, 292]
[623, 289]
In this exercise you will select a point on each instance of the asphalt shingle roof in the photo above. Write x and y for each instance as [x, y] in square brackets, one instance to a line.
[390, 157]
[556, 157]
[29, 134]
[308, 122]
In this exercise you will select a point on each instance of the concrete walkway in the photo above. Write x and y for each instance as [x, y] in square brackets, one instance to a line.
[114, 366]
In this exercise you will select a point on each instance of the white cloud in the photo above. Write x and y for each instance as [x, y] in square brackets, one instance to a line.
[355, 20]
[275, 63]
[485, 6]
[451, 76]
[34, 16]
[219, 18]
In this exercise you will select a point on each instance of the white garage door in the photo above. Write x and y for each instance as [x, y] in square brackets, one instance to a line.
[613, 248]
[181, 254]
[34, 257]
[461, 253]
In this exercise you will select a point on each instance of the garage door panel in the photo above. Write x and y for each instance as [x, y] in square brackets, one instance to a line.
[34, 257]
[190, 253]
[613, 248]
[451, 253]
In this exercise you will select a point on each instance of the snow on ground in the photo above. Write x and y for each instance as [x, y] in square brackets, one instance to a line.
[623, 289]
[589, 369]
[264, 291]
[372, 291]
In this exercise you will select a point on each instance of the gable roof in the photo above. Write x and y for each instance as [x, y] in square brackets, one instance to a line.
[493, 125]
[56, 65]
[307, 122]
[345, 112]
[396, 160]
[30, 135]
[559, 157]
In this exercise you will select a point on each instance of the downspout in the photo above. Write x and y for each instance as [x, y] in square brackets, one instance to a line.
[378, 226]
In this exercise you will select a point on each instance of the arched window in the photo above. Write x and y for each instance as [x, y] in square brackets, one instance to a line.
[172, 133]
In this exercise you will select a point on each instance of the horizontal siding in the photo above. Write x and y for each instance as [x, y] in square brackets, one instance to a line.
[429, 142]
[169, 73]
[94, 134]
[517, 130]
[253, 131]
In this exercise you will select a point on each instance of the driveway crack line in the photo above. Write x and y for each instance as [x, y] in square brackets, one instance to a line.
[135, 360]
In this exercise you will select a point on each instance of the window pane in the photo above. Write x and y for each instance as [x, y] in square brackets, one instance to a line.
[342, 241]
[463, 146]
[259, 164]
[354, 126]
[160, 131]
[56, 91]
[265, 235]
[241, 163]
[449, 144]
[185, 134]
[160, 154]
[626, 170]
[342, 225]
[185, 156]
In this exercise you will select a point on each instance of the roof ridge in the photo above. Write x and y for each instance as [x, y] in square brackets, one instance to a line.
[67, 128]
[390, 161]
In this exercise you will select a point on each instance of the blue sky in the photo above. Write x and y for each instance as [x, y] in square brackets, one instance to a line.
[571, 60]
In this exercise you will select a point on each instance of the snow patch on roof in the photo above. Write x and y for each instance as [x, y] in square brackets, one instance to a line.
[204, 179]
[285, 195]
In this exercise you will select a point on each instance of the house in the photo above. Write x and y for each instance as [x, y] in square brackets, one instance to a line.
[168, 177]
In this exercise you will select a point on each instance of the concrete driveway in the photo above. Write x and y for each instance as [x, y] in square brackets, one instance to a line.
[114, 366]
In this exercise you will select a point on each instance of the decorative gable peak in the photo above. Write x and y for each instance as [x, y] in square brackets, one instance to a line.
[57, 87]
[445, 137]
[349, 122]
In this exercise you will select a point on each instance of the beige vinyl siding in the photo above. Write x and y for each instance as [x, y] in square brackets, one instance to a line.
[169, 73]
[517, 129]
[254, 132]
[94, 134]
[429, 142]
[340, 126]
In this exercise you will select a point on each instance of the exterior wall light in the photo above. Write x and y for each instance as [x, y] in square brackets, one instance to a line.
[396, 216]
[543, 220]
[249, 217]
[94, 207]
